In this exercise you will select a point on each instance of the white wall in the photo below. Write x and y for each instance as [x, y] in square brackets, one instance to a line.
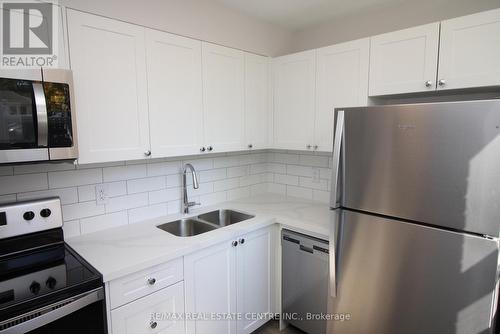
[385, 19]
[200, 19]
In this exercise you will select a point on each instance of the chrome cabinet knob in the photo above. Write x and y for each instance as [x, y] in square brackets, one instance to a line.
[151, 281]
[250, 146]
[315, 147]
[202, 149]
[234, 243]
[442, 82]
[210, 148]
[308, 146]
[242, 241]
[147, 153]
[428, 83]
[153, 324]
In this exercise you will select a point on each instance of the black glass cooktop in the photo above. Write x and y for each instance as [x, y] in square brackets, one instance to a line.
[41, 276]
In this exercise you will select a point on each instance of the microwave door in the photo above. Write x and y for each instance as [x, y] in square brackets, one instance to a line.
[23, 131]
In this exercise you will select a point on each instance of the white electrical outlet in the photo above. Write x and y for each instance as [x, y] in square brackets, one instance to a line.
[101, 194]
[316, 174]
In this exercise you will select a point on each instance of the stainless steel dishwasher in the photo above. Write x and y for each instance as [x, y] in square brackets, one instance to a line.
[304, 281]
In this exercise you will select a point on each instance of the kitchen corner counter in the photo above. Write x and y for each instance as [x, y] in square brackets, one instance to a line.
[127, 249]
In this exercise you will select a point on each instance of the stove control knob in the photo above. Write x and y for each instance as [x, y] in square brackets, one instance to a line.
[51, 283]
[35, 288]
[45, 213]
[29, 215]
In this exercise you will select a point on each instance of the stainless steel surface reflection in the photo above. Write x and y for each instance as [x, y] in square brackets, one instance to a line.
[225, 217]
[186, 227]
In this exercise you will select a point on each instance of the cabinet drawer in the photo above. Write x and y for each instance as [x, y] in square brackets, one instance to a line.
[137, 285]
[137, 317]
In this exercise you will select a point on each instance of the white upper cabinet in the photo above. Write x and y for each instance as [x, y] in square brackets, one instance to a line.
[109, 70]
[256, 101]
[223, 98]
[341, 81]
[175, 94]
[294, 87]
[469, 54]
[404, 61]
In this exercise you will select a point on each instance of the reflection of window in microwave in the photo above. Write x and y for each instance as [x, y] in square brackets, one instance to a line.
[57, 97]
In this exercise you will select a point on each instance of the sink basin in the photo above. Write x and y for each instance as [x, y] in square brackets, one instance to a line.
[224, 217]
[186, 227]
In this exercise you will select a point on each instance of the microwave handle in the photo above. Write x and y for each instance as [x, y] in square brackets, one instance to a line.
[41, 115]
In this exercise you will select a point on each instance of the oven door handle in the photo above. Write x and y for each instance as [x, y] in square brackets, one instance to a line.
[41, 115]
[50, 313]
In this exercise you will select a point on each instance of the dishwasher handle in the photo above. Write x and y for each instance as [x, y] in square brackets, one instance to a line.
[306, 249]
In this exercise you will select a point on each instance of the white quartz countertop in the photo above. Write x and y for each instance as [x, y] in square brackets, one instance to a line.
[127, 249]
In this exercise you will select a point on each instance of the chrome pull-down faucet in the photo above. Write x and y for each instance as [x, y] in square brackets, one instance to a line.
[185, 202]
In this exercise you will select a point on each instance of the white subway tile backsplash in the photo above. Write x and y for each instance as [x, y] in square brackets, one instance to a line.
[98, 223]
[286, 179]
[226, 184]
[71, 228]
[67, 195]
[164, 195]
[126, 172]
[308, 182]
[7, 198]
[74, 178]
[126, 202]
[212, 175]
[300, 192]
[43, 167]
[22, 183]
[81, 210]
[237, 171]
[147, 212]
[150, 188]
[146, 184]
[164, 168]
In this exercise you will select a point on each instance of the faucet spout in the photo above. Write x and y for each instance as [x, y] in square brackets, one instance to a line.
[186, 204]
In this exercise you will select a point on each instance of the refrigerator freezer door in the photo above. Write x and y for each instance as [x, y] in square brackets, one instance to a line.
[434, 163]
[395, 277]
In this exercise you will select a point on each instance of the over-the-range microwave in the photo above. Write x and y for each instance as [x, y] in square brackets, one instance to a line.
[37, 116]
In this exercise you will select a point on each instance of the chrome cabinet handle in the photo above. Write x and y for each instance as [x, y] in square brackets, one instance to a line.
[147, 153]
[210, 148]
[242, 241]
[442, 82]
[308, 146]
[250, 146]
[315, 147]
[153, 324]
[151, 281]
[234, 243]
[428, 83]
[202, 149]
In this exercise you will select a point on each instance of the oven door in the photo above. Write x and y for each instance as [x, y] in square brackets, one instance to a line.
[58, 89]
[83, 314]
[23, 117]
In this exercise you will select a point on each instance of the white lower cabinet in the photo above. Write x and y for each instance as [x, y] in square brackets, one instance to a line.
[232, 278]
[152, 314]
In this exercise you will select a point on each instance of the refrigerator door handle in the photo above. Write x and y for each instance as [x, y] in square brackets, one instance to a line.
[334, 250]
[337, 146]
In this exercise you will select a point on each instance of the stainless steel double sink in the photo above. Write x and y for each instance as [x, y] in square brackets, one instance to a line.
[209, 221]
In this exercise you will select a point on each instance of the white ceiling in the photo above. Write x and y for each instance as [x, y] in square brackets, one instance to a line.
[298, 14]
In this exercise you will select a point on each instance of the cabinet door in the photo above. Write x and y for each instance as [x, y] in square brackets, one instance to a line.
[253, 276]
[137, 317]
[469, 54]
[341, 81]
[109, 72]
[223, 97]
[256, 101]
[210, 280]
[294, 87]
[174, 91]
[404, 61]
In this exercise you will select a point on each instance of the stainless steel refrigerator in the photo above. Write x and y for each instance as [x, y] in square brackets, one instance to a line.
[416, 200]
